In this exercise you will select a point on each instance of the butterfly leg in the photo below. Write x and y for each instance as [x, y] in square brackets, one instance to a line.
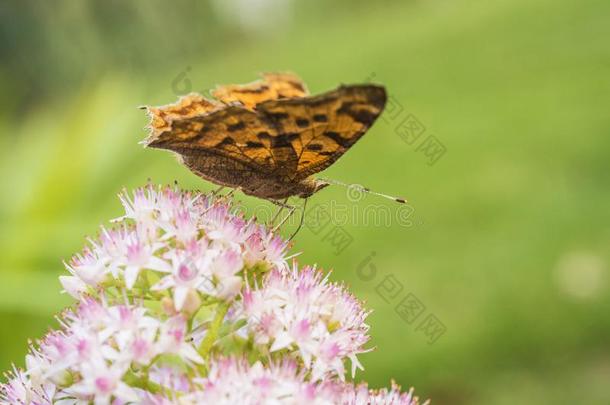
[229, 195]
[300, 221]
[281, 206]
[218, 190]
[291, 210]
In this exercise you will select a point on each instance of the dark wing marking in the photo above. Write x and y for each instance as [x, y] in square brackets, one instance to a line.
[233, 132]
[327, 125]
[288, 139]
[272, 86]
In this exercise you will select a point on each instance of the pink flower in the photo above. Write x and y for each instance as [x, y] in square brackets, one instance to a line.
[232, 381]
[174, 339]
[254, 249]
[102, 382]
[362, 395]
[88, 267]
[224, 268]
[171, 378]
[195, 242]
[190, 273]
[20, 390]
[224, 228]
[303, 313]
[147, 398]
[97, 345]
[140, 256]
[180, 280]
[275, 251]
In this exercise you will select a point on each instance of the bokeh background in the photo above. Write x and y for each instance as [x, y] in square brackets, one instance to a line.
[508, 241]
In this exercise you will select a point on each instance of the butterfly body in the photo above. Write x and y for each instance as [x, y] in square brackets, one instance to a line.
[267, 138]
[231, 173]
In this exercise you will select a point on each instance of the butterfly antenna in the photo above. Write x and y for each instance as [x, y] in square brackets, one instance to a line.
[357, 188]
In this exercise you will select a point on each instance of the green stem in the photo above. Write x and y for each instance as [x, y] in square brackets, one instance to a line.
[212, 335]
[141, 382]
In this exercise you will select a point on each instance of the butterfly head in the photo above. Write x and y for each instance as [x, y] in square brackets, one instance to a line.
[310, 186]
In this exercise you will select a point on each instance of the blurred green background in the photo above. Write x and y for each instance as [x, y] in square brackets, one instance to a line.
[508, 246]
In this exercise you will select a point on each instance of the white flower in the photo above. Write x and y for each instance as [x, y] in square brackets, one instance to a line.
[187, 276]
[195, 242]
[362, 395]
[140, 256]
[20, 390]
[179, 281]
[232, 381]
[173, 339]
[300, 311]
[103, 382]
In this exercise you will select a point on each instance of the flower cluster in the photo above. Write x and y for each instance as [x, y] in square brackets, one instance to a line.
[183, 301]
[234, 381]
[191, 244]
[98, 350]
[304, 314]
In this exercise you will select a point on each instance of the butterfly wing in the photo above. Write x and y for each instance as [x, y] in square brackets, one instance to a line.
[232, 132]
[272, 86]
[189, 106]
[284, 140]
[323, 127]
[229, 127]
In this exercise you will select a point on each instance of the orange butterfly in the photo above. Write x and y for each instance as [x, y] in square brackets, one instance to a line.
[268, 137]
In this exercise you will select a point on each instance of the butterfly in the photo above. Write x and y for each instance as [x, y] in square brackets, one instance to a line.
[269, 137]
